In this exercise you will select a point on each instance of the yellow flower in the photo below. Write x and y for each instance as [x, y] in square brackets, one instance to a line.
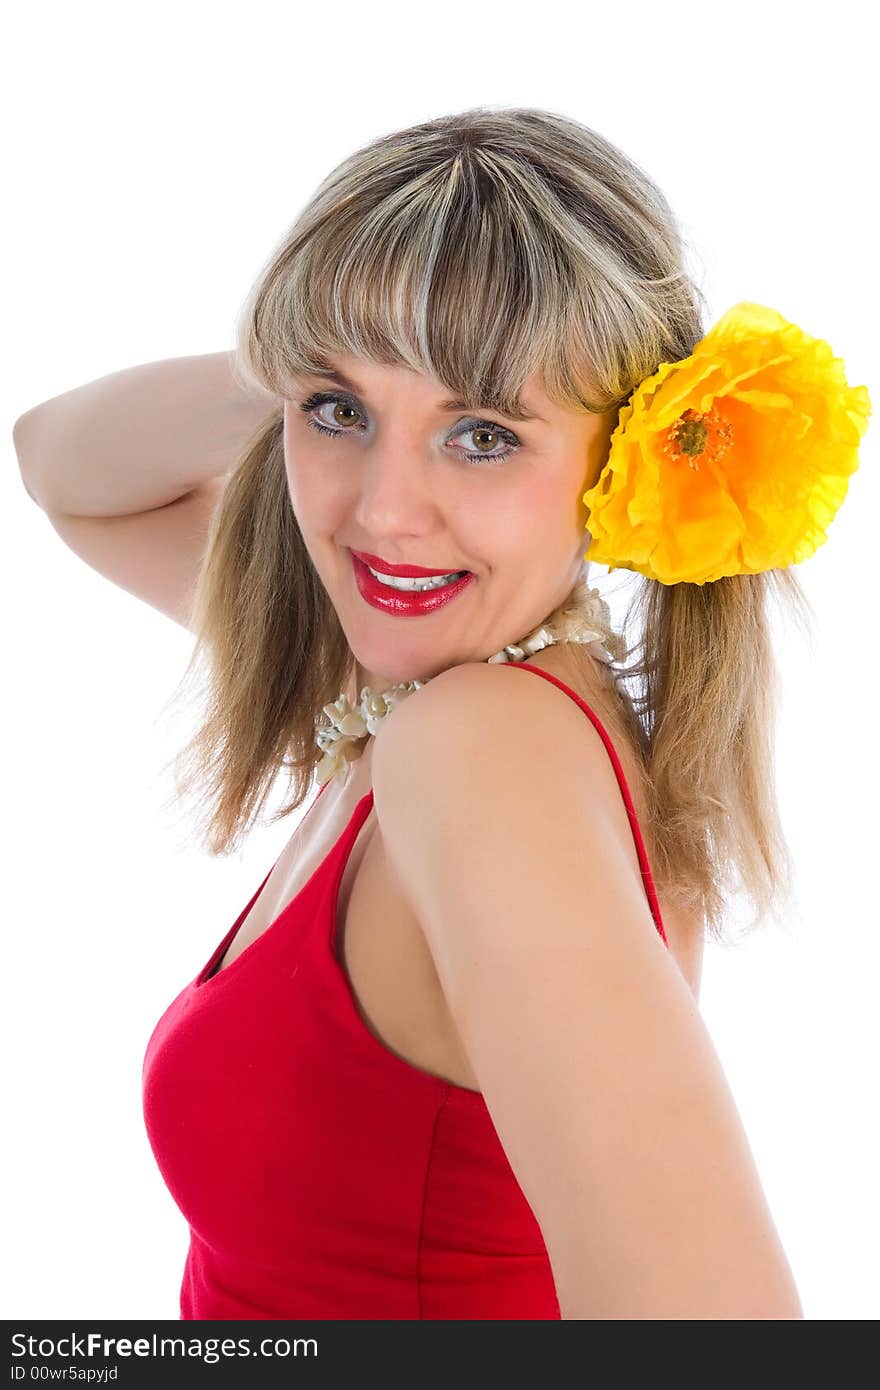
[731, 461]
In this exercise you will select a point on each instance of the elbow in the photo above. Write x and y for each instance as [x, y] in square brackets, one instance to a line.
[22, 431]
[670, 1293]
[782, 1305]
[25, 451]
[693, 1308]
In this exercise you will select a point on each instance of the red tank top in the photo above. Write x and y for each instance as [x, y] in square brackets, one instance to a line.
[320, 1174]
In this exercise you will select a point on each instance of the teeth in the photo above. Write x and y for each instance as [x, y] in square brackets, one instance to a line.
[416, 585]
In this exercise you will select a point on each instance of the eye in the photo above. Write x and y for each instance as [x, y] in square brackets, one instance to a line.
[485, 430]
[342, 415]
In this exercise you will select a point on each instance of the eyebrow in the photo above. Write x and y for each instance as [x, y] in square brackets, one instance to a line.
[333, 374]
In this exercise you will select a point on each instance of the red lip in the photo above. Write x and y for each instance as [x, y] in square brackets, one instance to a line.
[400, 604]
[397, 571]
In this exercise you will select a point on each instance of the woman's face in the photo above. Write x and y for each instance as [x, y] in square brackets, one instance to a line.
[395, 482]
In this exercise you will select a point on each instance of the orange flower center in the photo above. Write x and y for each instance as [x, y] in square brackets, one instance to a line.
[695, 436]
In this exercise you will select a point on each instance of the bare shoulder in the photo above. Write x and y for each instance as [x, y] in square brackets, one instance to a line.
[489, 713]
[482, 738]
[486, 776]
[521, 730]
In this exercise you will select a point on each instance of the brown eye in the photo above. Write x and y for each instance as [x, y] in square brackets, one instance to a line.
[489, 437]
[482, 435]
[343, 413]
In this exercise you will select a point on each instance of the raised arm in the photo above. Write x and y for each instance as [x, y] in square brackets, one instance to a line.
[129, 468]
[494, 800]
[138, 438]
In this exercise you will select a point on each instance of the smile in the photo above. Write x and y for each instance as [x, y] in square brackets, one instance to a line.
[407, 597]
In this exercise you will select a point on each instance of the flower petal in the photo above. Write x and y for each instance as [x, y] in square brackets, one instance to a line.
[732, 461]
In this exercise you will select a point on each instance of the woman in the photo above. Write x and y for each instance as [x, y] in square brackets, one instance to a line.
[447, 1062]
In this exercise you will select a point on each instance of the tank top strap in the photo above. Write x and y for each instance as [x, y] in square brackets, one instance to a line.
[647, 876]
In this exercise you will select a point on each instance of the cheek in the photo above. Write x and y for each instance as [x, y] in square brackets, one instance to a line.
[313, 489]
[319, 503]
[536, 515]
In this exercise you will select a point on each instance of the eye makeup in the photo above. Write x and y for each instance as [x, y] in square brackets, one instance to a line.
[465, 426]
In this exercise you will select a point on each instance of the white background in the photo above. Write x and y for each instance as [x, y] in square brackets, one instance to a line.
[154, 155]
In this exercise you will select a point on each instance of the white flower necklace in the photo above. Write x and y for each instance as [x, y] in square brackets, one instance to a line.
[583, 617]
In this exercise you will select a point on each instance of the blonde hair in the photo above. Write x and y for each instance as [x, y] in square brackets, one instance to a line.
[479, 248]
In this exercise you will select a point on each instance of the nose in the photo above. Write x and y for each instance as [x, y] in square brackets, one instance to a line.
[394, 497]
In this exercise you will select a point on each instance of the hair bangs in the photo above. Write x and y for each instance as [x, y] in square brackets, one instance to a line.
[453, 274]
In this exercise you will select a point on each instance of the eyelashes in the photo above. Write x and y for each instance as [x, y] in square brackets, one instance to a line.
[311, 404]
